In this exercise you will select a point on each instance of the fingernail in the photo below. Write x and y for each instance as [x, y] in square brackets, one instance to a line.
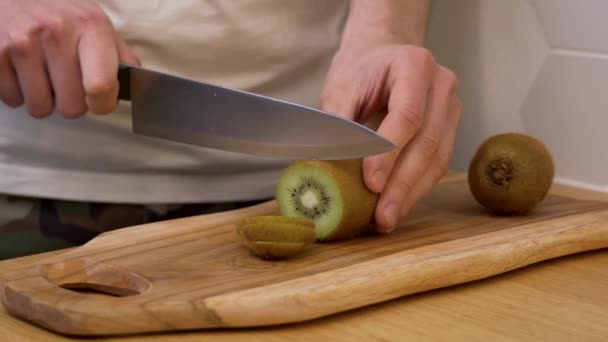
[391, 213]
[378, 179]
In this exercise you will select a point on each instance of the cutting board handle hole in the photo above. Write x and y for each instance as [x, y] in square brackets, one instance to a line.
[92, 277]
[99, 289]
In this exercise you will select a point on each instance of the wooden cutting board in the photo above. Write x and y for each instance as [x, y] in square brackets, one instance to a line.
[194, 273]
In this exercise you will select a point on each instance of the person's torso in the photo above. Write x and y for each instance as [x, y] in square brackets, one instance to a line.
[271, 47]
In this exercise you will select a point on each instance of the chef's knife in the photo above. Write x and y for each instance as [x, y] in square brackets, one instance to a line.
[170, 107]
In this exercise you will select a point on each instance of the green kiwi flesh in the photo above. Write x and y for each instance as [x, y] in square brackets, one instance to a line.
[511, 173]
[331, 193]
[276, 237]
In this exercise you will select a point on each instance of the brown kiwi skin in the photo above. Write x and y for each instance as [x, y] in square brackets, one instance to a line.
[269, 223]
[359, 202]
[511, 173]
[273, 251]
[276, 237]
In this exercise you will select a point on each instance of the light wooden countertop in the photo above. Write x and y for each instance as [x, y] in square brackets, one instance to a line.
[563, 299]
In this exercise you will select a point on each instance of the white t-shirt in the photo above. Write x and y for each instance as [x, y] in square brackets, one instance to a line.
[272, 47]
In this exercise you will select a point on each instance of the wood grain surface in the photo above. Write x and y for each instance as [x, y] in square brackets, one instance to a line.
[448, 240]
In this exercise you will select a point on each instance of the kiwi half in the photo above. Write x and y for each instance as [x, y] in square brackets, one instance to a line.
[511, 173]
[331, 193]
[276, 237]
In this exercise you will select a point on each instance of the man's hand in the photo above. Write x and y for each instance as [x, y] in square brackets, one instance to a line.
[59, 55]
[374, 76]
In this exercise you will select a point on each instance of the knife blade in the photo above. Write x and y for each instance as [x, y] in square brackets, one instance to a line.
[170, 107]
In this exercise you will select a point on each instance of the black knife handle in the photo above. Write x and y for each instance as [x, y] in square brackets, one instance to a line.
[124, 81]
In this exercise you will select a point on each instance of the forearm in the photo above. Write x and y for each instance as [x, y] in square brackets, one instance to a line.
[386, 21]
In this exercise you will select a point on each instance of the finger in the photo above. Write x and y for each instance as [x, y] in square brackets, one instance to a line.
[58, 42]
[406, 108]
[125, 54]
[27, 59]
[436, 170]
[440, 165]
[10, 93]
[98, 55]
[418, 155]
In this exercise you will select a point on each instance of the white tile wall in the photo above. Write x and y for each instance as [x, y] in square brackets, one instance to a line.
[574, 24]
[534, 66]
[567, 107]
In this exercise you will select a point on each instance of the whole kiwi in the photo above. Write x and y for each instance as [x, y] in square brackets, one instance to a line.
[511, 173]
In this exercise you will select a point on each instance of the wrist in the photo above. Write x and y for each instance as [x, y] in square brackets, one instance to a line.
[382, 22]
[366, 37]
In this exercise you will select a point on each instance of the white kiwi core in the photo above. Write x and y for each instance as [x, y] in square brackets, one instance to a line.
[309, 199]
[309, 191]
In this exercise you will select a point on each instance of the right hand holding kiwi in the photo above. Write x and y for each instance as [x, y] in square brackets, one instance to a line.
[59, 55]
[423, 111]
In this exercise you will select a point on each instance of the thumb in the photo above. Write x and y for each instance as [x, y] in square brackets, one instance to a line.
[125, 54]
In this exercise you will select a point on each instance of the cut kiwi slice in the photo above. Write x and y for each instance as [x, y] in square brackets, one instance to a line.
[511, 173]
[276, 237]
[331, 193]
